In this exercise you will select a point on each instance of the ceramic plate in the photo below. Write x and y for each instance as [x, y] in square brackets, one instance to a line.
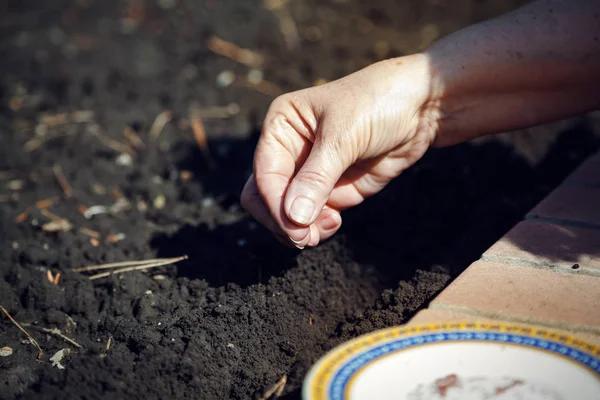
[458, 361]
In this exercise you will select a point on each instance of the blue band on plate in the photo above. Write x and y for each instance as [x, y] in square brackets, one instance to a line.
[341, 378]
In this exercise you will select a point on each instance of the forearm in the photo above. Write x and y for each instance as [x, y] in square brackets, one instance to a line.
[535, 65]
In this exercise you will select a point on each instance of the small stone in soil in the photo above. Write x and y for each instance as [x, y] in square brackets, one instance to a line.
[6, 351]
[255, 76]
[59, 356]
[159, 202]
[225, 78]
[94, 210]
[15, 184]
[124, 160]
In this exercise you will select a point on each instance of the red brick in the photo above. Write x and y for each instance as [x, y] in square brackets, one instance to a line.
[570, 204]
[534, 295]
[546, 244]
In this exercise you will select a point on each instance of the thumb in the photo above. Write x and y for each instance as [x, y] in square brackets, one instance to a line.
[309, 191]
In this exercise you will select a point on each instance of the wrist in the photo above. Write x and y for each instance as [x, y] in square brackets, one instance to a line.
[420, 90]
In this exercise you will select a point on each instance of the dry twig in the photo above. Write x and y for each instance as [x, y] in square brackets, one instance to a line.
[90, 232]
[82, 116]
[46, 203]
[52, 278]
[56, 224]
[53, 120]
[138, 267]
[234, 52]
[22, 217]
[200, 137]
[49, 275]
[61, 225]
[56, 332]
[62, 181]
[133, 138]
[114, 144]
[199, 133]
[276, 390]
[40, 351]
[128, 264]
[159, 123]
[50, 215]
[115, 265]
[263, 87]
[113, 238]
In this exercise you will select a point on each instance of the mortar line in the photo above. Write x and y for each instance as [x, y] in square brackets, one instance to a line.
[548, 265]
[548, 323]
[562, 221]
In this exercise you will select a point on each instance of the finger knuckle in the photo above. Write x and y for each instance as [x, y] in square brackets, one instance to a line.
[335, 143]
[280, 102]
[317, 179]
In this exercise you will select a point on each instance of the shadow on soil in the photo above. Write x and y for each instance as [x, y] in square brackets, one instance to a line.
[239, 253]
[447, 211]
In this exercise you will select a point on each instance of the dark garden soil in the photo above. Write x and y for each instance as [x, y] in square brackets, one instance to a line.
[242, 311]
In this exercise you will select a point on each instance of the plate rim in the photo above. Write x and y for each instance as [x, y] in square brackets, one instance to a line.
[326, 367]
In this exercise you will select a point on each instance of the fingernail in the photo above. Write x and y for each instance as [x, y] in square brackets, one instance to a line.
[329, 223]
[302, 210]
[296, 243]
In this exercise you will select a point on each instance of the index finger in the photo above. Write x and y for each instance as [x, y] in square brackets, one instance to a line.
[283, 147]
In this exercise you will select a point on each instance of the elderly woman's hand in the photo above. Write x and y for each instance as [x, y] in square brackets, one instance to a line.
[327, 148]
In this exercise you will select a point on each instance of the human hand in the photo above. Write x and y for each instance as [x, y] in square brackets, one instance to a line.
[327, 148]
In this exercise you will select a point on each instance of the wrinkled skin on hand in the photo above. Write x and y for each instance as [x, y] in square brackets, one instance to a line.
[327, 148]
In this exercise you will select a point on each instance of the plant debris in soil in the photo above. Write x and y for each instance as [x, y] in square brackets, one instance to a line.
[125, 136]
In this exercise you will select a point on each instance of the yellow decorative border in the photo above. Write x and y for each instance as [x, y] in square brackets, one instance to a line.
[322, 372]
